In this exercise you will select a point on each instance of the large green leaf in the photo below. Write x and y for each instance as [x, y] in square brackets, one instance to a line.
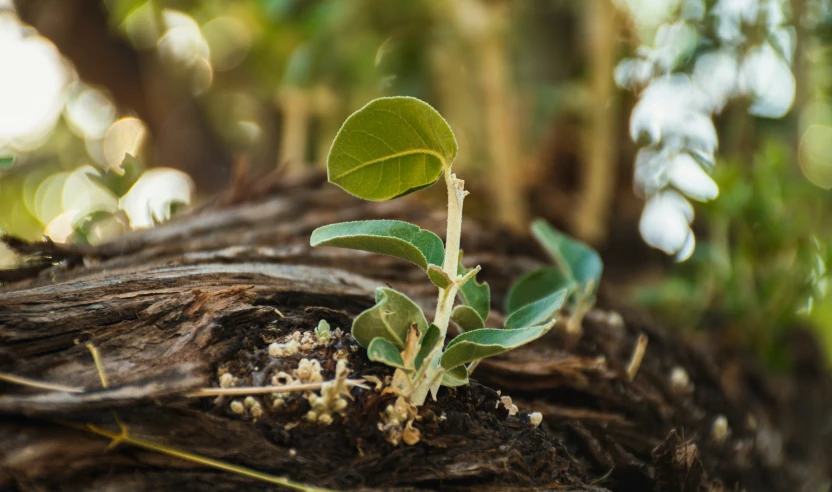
[479, 344]
[577, 260]
[466, 318]
[391, 147]
[475, 294]
[381, 350]
[388, 237]
[537, 312]
[389, 319]
[537, 285]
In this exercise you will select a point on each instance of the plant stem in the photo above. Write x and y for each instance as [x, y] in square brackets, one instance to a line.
[431, 378]
[445, 301]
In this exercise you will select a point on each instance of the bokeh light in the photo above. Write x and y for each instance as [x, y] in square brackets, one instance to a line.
[31, 88]
[125, 136]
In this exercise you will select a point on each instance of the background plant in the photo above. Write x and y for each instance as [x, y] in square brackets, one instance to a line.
[390, 148]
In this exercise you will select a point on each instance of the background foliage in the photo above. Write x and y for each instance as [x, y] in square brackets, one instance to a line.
[159, 100]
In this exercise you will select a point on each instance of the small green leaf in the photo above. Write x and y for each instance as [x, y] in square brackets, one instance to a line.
[537, 285]
[466, 318]
[388, 237]
[577, 260]
[427, 344]
[475, 294]
[537, 312]
[391, 147]
[390, 319]
[457, 376]
[438, 276]
[323, 332]
[6, 162]
[486, 342]
[380, 350]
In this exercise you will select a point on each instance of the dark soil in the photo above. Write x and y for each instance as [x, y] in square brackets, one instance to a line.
[173, 308]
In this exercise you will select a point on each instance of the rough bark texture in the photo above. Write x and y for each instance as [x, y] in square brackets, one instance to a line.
[172, 308]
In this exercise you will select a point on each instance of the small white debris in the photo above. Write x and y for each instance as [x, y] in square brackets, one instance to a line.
[282, 378]
[238, 407]
[397, 423]
[226, 380]
[506, 402]
[308, 342]
[277, 400]
[256, 410]
[615, 320]
[293, 452]
[535, 418]
[679, 379]
[309, 371]
[284, 349]
[720, 429]
[331, 398]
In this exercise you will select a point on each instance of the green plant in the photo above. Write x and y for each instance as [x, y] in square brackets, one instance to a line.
[390, 148]
[577, 270]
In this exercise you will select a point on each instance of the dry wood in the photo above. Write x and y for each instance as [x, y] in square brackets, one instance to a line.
[172, 308]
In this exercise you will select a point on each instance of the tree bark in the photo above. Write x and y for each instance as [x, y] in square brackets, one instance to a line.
[172, 308]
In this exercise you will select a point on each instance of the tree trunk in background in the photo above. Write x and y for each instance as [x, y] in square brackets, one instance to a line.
[171, 308]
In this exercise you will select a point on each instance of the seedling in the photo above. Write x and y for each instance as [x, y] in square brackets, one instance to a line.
[389, 148]
[577, 270]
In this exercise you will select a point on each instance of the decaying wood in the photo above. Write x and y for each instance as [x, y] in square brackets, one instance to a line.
[171, 308]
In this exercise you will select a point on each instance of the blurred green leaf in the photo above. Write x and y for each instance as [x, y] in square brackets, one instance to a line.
[538, 312]
[536, 285]
[577, 260]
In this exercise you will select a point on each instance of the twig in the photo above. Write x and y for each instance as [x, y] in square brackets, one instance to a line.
[124, 437]
[96, 357]
[637, 357]
[257, 390]
[32, 383]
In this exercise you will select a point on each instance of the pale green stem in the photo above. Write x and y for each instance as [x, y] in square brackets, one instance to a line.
[431, 377]
[445, 302]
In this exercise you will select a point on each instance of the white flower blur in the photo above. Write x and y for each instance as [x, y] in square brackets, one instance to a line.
[665, 224]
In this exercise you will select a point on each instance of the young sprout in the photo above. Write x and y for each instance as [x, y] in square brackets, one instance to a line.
[389, 148]
[577, 270]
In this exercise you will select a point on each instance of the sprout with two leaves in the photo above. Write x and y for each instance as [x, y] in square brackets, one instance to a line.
[389, 148]
[576, 271]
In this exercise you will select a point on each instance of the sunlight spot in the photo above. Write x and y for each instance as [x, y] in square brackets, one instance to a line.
[31, 88]
[125, 136]
[49, 197]
[816, 155]
[183, 42]
[150, 198]
[88, 111]
[229, 41]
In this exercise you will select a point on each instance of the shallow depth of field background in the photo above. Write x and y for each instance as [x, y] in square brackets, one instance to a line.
[115, 114]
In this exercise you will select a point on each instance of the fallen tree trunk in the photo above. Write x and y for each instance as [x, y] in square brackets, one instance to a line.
[173, 309]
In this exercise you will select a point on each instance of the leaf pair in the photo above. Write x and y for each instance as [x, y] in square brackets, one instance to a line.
[395, 331]
[525, 325]
[577, 269]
